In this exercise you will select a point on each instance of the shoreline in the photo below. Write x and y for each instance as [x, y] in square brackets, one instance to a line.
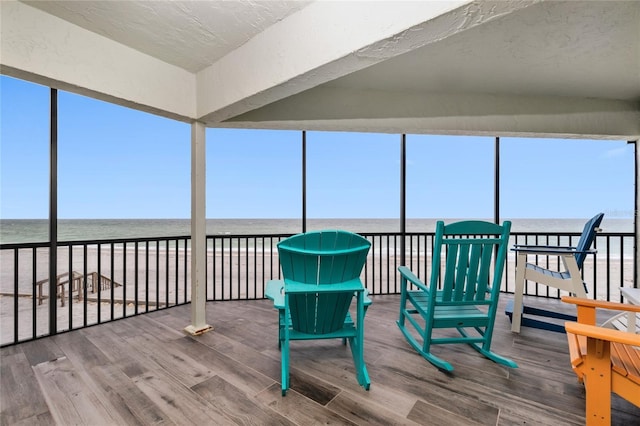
[36, 230]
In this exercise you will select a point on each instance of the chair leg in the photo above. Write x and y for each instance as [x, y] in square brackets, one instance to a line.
[485, 348]
[285, 367]
[284, 350]
[499, 359]
[518, 294]
[357, 345]
[425, 353]
[281, 325]
[598, 383]
[358, 360]
[424, 349]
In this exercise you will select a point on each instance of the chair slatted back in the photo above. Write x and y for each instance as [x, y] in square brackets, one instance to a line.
[470, 248]
[321, 258]
[587, 238]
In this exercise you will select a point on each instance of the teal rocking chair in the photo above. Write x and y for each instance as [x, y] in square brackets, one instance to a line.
[462, 293]
[321, 273]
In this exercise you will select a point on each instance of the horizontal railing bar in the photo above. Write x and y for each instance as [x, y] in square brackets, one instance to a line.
[8, 246]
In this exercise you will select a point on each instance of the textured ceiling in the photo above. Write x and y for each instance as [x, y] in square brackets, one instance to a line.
[542, 67]
[566, 48]
[548, 49]
[189, 34]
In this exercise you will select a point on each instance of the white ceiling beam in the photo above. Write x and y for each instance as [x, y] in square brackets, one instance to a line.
[327, 40]
[330, 108]
[40, 47]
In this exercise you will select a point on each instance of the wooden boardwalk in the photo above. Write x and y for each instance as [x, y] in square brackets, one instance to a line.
[146, 371]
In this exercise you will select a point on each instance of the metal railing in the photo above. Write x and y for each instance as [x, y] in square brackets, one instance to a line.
[106, 280]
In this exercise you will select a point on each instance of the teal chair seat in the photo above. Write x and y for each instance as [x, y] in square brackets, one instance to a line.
[321, 272]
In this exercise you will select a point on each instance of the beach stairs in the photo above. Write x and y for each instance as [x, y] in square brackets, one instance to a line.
[77, 283]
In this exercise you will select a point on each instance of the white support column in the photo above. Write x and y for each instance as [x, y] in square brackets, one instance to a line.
[198, 231]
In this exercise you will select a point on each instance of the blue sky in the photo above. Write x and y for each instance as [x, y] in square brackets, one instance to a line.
[116, 162]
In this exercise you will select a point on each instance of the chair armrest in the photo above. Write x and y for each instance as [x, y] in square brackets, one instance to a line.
[549, 250]
[602, 304]
[540, 247]
[587, 308]
[367, 300]
[602, 333]
[275, 292]
[412, 278]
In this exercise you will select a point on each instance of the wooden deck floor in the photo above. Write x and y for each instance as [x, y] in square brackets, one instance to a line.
[145, 370]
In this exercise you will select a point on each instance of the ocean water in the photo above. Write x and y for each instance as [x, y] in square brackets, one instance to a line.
[37, 230]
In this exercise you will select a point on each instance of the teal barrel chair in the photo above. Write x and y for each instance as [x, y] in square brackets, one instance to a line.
[321, 272]
[462, 291]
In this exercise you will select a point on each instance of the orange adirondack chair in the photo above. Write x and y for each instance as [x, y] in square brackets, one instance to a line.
[604, 359]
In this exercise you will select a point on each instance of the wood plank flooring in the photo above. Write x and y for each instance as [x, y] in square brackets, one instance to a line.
[146, 371]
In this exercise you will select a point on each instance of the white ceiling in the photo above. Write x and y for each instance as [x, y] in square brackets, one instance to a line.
[558, 58]
[549, 49]
[546, 67]
[188, 34]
